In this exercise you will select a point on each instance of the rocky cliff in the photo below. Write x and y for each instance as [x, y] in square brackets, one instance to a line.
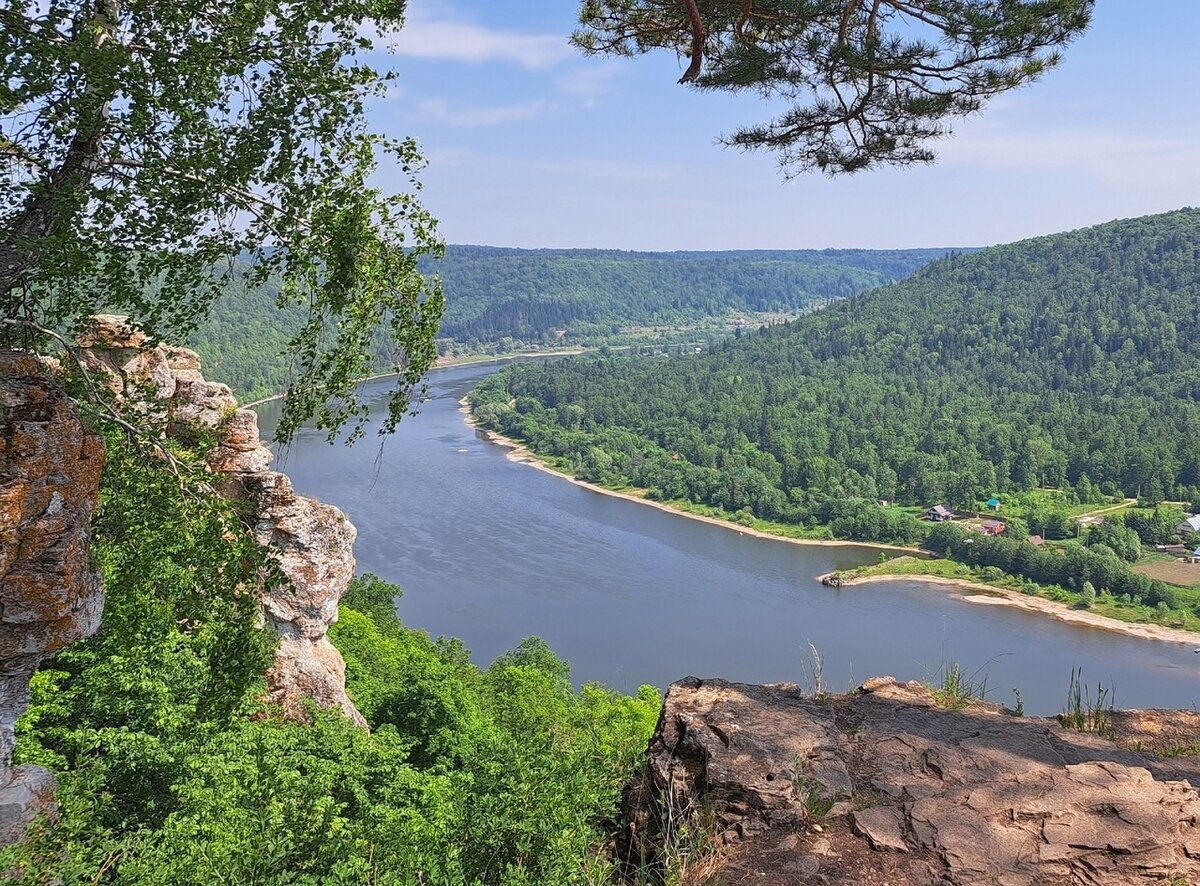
[885, 786]
[49, 593]
[313, 542]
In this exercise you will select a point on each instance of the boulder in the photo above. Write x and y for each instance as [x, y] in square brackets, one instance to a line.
[885, 786]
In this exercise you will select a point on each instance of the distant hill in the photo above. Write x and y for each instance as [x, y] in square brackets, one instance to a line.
[1069, 359]
[509, 299]
[532, 295]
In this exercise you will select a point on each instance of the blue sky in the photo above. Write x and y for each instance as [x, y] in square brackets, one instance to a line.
[532, 144]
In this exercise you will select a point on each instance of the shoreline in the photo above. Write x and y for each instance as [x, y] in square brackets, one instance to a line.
[977, 592]
[448, 363]
[984, 594]
[521, 454]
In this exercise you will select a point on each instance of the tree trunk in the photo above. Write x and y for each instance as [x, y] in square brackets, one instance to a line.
[56, 201]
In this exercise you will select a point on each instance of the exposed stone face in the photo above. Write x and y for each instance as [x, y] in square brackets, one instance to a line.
[917, 794]
[117, 355]
[49, 594]
[312, 542]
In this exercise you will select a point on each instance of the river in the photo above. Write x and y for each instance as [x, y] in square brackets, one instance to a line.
[492, 551]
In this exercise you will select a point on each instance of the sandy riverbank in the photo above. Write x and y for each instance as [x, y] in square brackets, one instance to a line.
[521, 454]
[994, 596]
[988, 595]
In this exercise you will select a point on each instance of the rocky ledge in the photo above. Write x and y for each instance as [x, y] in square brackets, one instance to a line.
[312, 542]
[884, 786]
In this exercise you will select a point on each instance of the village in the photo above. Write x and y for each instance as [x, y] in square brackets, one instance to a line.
[1176, 561]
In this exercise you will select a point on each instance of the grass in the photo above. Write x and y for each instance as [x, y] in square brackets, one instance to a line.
[1171, 570]
[817, 804]
[954, 689]
[690, 854]
[869, 799]
[1085, 712]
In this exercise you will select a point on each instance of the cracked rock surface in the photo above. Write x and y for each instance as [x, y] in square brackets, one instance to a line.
[885, 786]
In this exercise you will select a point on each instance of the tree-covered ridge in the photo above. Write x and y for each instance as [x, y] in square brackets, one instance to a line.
[515, 298]
[1065, 360]
[530, 294]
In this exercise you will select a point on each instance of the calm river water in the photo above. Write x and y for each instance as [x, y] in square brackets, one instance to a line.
[493, 551]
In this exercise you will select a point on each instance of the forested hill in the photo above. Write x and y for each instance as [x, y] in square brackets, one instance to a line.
[532, 295]
[510, 299]
[1069, 359]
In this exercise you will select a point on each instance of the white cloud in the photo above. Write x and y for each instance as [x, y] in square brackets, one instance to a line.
[426, 35]
[592, 167]
[492, 115]
[1113, 158]
[587, 82]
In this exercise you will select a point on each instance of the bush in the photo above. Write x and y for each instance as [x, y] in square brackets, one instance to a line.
[171, 770]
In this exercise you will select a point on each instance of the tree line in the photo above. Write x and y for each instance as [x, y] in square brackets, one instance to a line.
[512, 299]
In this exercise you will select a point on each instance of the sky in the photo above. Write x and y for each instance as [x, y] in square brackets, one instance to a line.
[532, 144]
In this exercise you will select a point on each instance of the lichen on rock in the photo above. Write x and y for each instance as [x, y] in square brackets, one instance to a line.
[50, 594]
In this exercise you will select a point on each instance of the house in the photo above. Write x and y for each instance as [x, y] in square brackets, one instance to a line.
[1171, 549]
[991, 527]
[1190, 524]
[1195, 558]
[939, 514]
[1037, 541]
[994, 504]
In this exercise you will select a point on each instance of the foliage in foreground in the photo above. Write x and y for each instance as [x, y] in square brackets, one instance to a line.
[861, 82]
[171, 772]
[152, 148]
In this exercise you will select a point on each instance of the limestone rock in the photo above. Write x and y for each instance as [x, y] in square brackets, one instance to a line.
[930, 795]
[312, 542]
[181, 359]
[241, 431]
[49, 594]
[199, 404]
[116, 353]
[112, 332]
[25, 793]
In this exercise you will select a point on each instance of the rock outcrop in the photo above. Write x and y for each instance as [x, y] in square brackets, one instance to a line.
[313, 542]
[49, 593]
[884, 786]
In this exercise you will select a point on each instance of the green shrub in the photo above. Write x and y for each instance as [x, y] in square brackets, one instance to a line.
[172, 773]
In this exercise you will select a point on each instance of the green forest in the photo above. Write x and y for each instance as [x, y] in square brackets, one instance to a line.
[505, 300]
[1069, 362]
